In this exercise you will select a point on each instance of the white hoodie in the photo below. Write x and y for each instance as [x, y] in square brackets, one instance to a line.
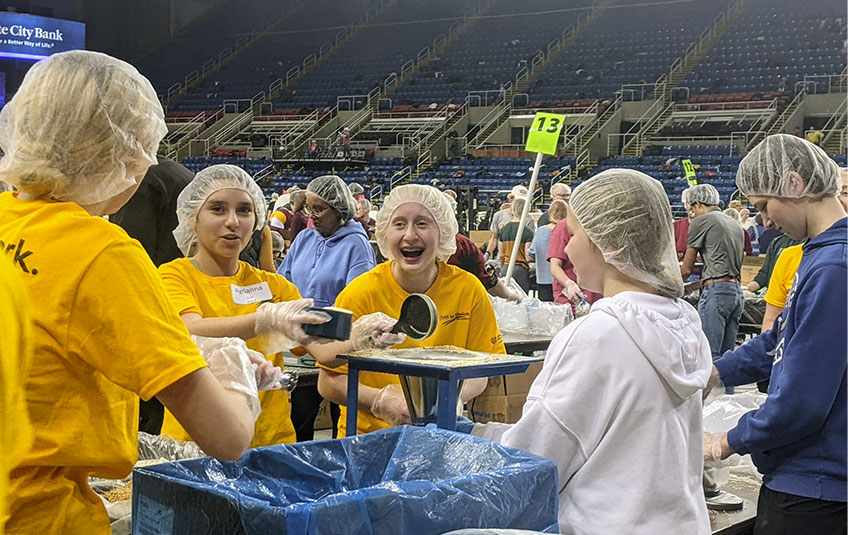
[618, 406]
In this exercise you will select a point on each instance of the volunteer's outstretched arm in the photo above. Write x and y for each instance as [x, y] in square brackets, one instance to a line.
[200, 404]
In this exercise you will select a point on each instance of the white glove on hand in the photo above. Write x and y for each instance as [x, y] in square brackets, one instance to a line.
[514, 296]
[390, 406]
[372, 332]
[714, 389]
[230, 363]
[712, 447]
[572, 292]
[282, 324]
[267, 375]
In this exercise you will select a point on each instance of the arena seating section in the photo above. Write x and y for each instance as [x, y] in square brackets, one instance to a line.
[771, 47]
[618, 48]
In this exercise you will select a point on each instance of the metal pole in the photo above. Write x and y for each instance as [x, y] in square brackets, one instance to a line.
[524, 216]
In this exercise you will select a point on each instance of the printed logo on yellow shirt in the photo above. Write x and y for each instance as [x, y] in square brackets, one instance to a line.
[447, 319]
[496, 339]
[16, 251]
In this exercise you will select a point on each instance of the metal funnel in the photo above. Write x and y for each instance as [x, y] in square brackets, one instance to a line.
[422, 396]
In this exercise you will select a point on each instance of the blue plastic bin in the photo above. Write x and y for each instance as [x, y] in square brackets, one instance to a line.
[405, 480]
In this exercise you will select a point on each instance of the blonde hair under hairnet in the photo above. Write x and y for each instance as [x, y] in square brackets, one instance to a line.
[205, 183]
[81, 128]
[435, 202]
[332, 190]
[626, 215]
[767, 168]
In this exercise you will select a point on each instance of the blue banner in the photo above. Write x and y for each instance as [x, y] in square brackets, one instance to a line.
[31, 37]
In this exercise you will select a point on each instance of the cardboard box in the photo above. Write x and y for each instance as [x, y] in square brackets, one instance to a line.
[323, 420]
[517, 383]
[503, 409]
[750, 267]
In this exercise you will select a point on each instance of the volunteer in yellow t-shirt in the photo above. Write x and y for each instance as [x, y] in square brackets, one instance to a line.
[782, 278]
[217, 295]
[15, 355]
[416, 230]
[78, 137]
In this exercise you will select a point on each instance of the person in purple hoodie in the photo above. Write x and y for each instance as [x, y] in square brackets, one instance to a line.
[797, 438]
[321, 261]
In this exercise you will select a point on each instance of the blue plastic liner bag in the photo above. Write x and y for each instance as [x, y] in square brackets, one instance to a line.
[404, 480]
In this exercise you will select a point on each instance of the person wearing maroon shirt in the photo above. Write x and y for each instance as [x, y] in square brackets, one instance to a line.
[562, 269]
[298, 218]
[469, 258]
[681, 229]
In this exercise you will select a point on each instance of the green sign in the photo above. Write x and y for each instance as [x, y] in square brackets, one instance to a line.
[544, 133]
[689, 169]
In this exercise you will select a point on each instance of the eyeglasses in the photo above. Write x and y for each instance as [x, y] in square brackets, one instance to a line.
[314, 211]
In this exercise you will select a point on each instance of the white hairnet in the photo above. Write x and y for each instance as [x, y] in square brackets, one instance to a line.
[560, 189]
[767, 168]
[332, 190]
[355, 189]
[627, 216]
[82, 127]
[704, 194]
[205, 183]
[434, 201]
[683, 198]
[519, 191]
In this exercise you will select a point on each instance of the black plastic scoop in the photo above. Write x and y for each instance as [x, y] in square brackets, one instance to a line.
[418, 317]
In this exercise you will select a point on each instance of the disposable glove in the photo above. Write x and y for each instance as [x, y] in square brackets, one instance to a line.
[390, 405]
[280, 325]
[267, 375]
[230, 363]
[714, 389]
[712, 447]
[572, 292]
[372, 332]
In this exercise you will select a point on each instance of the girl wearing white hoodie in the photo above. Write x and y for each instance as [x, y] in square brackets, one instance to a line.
[618, 401]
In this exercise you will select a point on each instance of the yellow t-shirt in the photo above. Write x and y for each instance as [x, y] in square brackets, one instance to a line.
[104, 333]
[466, 319]
[191, 290]
[783, 274]
[15, 356]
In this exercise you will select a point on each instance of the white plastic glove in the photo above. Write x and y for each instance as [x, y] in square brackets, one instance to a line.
[390, 405]
[280, 325]
[267, 375]
[572, 292]
[372, 332]
[230, 363]
[748, 294]
[712, 447]
[514, 296]
[714, 389]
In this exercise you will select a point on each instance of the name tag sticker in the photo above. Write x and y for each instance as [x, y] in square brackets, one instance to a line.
[255, 293]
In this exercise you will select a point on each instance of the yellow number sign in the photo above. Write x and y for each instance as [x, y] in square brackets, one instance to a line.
[689, 169]
[544, 133]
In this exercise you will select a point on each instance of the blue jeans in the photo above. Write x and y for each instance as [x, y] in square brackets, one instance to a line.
[720, 307]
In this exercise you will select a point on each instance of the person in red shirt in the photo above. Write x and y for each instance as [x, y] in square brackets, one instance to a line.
[564, 284]
[681, 229]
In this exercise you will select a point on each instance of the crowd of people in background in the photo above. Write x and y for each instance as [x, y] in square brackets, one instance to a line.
[198, 310]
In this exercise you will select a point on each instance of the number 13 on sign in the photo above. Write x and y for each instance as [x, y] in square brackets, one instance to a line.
[544, 133]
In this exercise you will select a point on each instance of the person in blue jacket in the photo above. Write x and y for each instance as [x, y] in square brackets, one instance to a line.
[321, 261]
[797, 438]
[324, 258]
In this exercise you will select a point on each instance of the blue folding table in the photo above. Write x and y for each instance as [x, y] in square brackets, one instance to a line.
[448, 373]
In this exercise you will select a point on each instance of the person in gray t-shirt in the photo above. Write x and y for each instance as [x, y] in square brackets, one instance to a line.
[719, 241]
